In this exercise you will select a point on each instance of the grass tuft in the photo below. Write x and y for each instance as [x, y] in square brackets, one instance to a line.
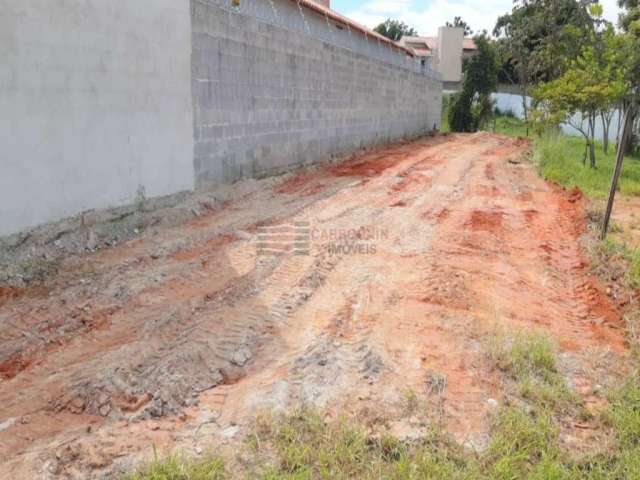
[613, 260]
[522, 444]
[529, 359]
[179, 467]
[624, 413]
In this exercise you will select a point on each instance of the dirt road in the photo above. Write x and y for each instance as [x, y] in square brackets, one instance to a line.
[405, 259]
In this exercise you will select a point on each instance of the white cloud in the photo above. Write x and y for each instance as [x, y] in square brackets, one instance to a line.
[611, 10]
[427, 18]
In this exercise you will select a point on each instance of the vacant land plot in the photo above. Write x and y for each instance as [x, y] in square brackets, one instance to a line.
[379, 285]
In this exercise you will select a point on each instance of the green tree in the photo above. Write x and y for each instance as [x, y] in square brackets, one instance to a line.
[537, 38]
[472, 108]
[459, 23]
[593, 83]
[395, 29]
[630, 25]
[630, 15]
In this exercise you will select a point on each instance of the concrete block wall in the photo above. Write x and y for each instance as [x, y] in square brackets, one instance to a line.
[95, 105]
[267, 98]
[105, 101]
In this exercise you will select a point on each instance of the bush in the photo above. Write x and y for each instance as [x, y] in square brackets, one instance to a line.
[460, 115]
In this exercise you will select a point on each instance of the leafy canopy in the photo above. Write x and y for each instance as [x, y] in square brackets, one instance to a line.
[458, 22]
[594, 82]
[395, 29]
[539, 35]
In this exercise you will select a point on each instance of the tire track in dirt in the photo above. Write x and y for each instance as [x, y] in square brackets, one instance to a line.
[207, 332]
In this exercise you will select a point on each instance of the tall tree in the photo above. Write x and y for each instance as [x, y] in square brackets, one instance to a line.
[630, 25]
[459, 23]
[395, 29]
[537, 37]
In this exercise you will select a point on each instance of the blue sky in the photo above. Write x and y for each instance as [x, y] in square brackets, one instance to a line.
[427, 15]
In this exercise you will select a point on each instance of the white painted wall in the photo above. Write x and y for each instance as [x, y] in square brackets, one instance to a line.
[449, 54]
[510, 101]
[95, 104]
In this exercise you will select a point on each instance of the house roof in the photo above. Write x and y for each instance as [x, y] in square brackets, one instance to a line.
[422, 52]
[422, 46]
[469, 44]
[335, 16]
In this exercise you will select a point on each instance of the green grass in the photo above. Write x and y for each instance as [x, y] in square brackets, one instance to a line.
[524, 441]
[509, 125]
[525, 355]
[611, 253]
[529, 359]
[302, 445]
[624, 414]
[179, 467]
[524, 444]
[444, 127]
[558, 158]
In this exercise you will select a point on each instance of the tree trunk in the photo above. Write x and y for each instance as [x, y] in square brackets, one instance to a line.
[525, 111]
[628, 145]
[592, 142]
[620, 113]
[626, 132]
[606, 122]
[592, 154]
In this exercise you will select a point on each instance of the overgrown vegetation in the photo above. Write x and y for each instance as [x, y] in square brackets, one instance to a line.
[529, 360]
[509, 124]
[558, 158]
[571, 60]
[472, 108]
[610, 253]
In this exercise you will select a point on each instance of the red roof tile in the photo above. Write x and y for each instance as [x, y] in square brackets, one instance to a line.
[469, 44]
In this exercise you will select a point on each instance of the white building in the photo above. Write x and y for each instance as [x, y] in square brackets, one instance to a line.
[444, 54]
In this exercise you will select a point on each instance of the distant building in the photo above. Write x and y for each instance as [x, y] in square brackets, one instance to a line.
[444, 54]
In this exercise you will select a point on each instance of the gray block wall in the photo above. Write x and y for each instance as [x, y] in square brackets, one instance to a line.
[268, 98]
[104, 102]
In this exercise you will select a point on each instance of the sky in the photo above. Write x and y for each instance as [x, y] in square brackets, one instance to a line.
[427, 15]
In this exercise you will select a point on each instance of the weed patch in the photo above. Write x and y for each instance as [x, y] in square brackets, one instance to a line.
[524, 444]
[615, 261]
[524, 436]
[179, 467]
[529, 360]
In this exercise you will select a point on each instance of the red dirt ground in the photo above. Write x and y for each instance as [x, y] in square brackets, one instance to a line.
[178, 338]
